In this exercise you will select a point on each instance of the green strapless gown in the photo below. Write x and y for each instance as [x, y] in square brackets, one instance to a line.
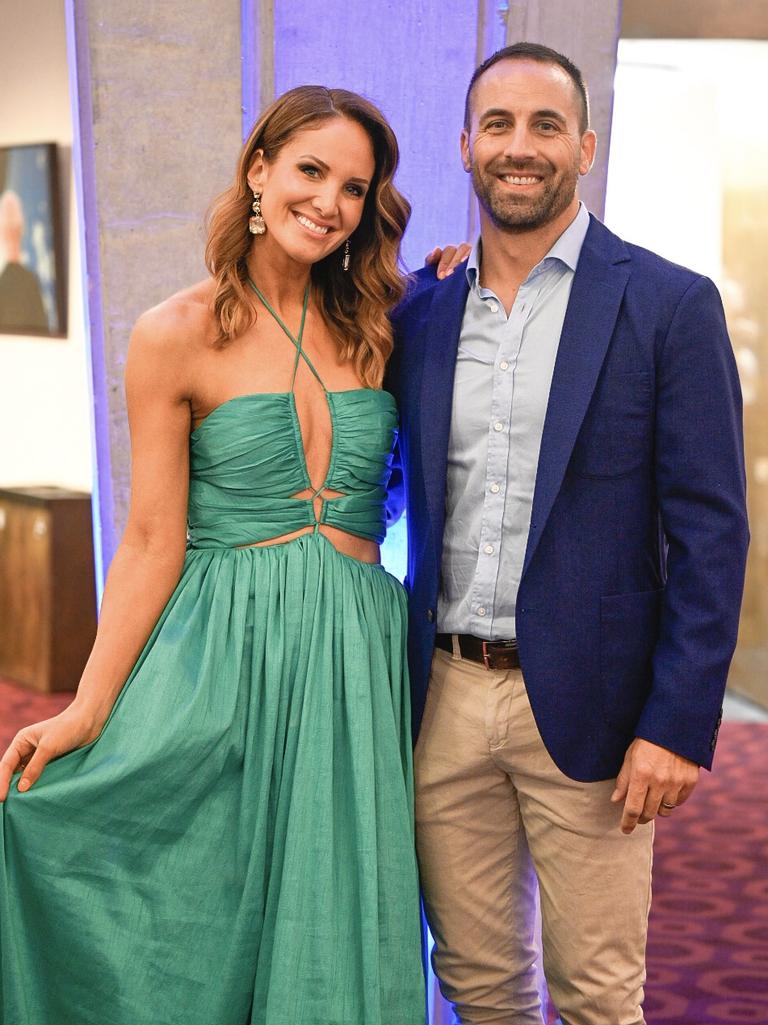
[237, 845]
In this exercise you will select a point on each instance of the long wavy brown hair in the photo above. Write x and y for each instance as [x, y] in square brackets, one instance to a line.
[354, 304]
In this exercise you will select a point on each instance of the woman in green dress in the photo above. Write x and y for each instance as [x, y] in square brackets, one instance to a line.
[218, 829]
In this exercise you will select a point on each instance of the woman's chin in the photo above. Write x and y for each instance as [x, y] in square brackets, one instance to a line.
[302, 254]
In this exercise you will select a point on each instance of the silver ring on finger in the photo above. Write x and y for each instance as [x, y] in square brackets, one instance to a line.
[669, 807]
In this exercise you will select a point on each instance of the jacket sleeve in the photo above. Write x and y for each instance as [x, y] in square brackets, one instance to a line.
[700, 482]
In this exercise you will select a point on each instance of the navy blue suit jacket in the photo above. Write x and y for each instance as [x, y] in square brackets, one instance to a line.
[629, 600]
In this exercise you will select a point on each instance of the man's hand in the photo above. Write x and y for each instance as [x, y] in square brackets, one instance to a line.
[447, 258]
[653, 781]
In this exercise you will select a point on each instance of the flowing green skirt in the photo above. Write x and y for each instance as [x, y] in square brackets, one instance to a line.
[237, 845]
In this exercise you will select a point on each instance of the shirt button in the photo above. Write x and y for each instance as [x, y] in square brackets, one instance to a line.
[498, 426]
[493, 307]
[430, 615]
[504, 365]
[488, 549]
[495, 489]
[481, 611]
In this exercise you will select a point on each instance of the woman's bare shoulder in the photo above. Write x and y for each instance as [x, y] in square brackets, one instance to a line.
[184, 319]
[166, 337]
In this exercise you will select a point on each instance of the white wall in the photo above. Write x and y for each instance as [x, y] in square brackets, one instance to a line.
[665, 176]
[45, 435]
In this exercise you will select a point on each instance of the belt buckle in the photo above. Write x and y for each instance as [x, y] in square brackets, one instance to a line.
[487, 654]
[502, 648]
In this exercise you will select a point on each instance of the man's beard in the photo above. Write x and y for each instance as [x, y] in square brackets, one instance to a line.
[523, 213]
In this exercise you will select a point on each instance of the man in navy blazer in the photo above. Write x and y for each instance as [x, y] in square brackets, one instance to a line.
[572, 461]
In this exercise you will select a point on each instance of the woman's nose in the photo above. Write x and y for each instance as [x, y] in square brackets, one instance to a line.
[326, 202]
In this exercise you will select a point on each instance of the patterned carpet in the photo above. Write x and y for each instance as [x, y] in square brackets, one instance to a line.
[708, 945]
[20, 707]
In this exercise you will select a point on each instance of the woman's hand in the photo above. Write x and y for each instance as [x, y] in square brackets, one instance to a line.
[447, 258]
[34, 746]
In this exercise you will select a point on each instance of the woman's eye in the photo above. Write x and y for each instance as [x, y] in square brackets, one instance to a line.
[355, 190]
[309, 170]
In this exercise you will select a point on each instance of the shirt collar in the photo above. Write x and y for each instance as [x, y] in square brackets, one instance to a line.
[567, 248]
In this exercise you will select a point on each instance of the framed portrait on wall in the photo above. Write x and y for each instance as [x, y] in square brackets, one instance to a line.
[31, 265]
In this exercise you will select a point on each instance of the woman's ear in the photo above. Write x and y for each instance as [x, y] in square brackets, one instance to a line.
[257, 172]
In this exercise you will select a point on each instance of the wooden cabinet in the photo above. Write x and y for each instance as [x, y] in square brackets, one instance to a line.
[47, 589]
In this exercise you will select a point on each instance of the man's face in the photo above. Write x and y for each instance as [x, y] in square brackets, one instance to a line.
[524, 147]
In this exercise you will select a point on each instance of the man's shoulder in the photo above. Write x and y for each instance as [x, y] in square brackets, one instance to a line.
[659, 269]
[649, 269]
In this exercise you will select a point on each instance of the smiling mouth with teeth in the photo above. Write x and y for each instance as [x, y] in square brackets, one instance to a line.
[317, 229]
[515, 179]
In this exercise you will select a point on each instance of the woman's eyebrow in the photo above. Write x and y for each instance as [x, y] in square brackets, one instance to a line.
[325, 167]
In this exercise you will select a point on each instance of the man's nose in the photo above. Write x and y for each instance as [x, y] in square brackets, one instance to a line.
[520, 144]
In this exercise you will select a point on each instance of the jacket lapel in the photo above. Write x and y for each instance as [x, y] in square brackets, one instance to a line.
[596, 294]
[440, 348]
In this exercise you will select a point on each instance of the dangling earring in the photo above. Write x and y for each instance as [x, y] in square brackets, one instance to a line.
[345, 260]
[256, 224]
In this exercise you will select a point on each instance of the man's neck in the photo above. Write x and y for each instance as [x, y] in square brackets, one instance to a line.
[508, 257]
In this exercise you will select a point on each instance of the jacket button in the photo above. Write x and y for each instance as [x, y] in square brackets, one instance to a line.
[430, 615]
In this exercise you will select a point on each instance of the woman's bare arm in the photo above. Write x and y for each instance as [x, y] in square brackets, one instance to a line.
[149, 560]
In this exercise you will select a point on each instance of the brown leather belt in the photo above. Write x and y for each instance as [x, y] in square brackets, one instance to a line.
[491, 654]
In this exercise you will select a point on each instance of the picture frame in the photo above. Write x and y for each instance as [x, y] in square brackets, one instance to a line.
[32, 271]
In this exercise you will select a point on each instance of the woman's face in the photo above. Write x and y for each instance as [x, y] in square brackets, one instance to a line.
[313, 192]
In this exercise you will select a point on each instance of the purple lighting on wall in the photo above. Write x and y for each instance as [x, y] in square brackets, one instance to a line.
[251, 36]
[85, 185]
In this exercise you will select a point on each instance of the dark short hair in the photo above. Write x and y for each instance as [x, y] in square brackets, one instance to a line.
[533, 52]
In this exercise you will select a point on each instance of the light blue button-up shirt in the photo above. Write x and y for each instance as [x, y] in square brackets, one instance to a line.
[503, 376]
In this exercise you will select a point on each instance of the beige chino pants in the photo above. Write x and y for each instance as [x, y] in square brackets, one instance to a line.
[494, 815]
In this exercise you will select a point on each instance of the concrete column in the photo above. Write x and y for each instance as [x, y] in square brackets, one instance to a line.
[586, 31]
[257, 36]
[157, 93]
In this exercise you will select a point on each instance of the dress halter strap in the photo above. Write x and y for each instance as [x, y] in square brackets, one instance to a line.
[300, 354]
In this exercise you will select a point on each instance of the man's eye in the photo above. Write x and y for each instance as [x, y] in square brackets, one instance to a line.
[547, 126]
[496, 126]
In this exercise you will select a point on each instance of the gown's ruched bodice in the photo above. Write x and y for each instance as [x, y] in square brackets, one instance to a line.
[247, 462]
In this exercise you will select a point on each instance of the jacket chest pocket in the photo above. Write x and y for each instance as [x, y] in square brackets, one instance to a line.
[616, 436]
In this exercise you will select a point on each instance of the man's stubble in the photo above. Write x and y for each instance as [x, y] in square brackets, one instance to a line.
[513, 213]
